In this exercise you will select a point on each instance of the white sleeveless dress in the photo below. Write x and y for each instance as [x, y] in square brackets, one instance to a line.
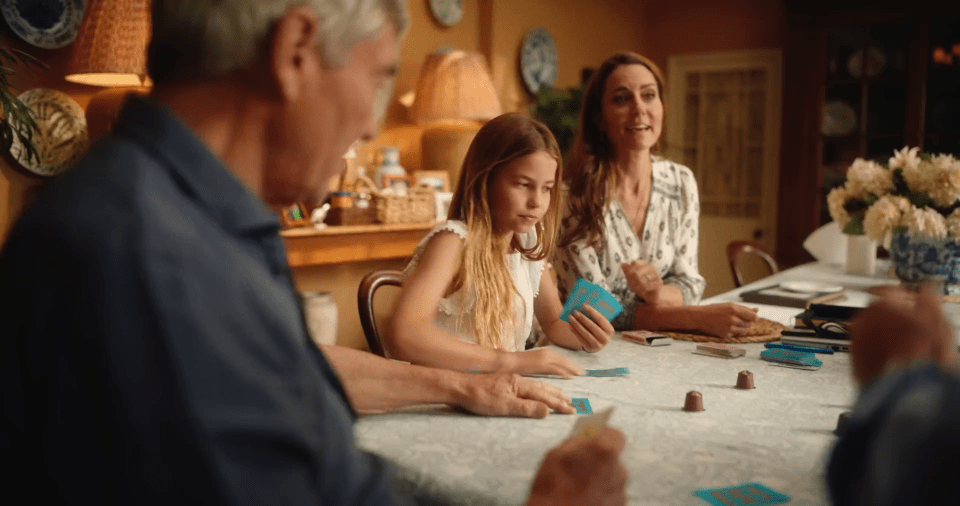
[455, 314]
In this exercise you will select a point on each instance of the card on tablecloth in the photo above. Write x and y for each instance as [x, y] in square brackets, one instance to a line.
[585, 292]
[603, 373]
[582, 406]
[798, 359]
[740, 495]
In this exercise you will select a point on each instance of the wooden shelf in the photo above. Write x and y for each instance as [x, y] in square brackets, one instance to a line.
[309, 246]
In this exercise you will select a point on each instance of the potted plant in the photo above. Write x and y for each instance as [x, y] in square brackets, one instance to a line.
[17, 118]
[913, 204]
[560, 111]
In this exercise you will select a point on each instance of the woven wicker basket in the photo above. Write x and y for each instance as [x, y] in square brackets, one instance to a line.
[417, 206]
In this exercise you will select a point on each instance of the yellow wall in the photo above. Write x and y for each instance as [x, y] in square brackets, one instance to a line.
[342, 282]
[676, 27]
[16, 184]
[585, 33]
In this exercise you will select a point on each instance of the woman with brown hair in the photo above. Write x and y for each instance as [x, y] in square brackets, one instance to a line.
[633, 217]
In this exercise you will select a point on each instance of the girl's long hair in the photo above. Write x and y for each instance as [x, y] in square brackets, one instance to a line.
[483, 267]
[589, 174]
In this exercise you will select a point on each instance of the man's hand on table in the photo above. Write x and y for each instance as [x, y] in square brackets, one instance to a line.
[511, 395]
[583, 470]
[901, 329]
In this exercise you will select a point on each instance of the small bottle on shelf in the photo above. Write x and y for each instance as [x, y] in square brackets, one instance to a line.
[390, 168]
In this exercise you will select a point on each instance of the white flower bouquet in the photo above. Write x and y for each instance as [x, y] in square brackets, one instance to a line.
[914, 192]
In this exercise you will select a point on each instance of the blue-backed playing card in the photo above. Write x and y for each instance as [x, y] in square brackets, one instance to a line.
[790, 357]
[582, 405]
[753, 494]
[602, 373]
[585, 292]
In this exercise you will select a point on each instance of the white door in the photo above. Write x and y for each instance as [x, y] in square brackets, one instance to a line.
[723, 121]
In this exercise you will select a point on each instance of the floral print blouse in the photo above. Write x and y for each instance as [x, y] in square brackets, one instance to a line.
[669, 242]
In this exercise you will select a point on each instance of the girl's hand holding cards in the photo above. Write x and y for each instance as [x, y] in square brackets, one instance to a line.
[591, 328]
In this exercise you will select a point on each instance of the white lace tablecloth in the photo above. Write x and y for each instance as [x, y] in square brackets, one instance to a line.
[778, 435]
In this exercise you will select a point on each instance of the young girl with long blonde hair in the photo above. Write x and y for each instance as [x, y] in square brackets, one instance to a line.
[476, 281]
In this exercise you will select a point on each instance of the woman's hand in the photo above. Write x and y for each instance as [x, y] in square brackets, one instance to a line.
[539, 362]
[643, 279]
[591, 329]
[724, 320]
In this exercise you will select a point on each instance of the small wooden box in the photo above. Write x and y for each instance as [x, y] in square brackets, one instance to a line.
[719, 350]
[351, 216]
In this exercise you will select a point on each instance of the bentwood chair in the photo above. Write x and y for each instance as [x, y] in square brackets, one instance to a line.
[736, 248]
[368, 288]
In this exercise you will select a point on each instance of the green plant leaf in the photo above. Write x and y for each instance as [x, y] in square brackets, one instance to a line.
[18, 116]
[560, 111]
[853, 206]
[854, 227]
[900, 186]
[920, 200]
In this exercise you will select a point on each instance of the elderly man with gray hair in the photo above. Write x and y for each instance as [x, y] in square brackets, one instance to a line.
[154, 348]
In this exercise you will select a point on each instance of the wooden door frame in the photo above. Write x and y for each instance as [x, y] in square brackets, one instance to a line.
[770, 60]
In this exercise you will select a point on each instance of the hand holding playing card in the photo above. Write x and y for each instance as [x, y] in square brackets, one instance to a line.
[584, 469]
[899, 329]
[591, 328]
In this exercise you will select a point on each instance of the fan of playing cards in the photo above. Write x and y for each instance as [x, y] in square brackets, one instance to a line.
[585, 292]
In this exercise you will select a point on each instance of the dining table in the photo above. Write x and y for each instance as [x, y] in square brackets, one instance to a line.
[778, 434]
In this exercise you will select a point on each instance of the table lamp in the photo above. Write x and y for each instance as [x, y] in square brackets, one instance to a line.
[111, 50]
[454, 97]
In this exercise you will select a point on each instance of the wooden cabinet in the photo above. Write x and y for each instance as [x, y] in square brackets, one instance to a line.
[308, 247]
[860, 80]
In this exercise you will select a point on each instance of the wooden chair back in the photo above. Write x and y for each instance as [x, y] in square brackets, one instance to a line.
[736, 248]
[368, 288]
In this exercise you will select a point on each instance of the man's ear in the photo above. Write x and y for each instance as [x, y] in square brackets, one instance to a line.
[293, 51]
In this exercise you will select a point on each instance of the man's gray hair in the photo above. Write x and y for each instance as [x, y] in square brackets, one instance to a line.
[209, 38]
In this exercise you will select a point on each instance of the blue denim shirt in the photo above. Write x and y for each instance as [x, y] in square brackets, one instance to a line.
[902, 444]
[153, 347]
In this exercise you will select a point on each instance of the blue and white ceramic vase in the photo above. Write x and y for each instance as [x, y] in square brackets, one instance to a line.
[918, 259]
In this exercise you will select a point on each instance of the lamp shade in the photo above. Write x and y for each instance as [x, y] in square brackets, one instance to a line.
[111, 46]
[455, 85]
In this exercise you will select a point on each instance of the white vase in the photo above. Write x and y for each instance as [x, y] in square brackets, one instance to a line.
[320, 311]
[861, 254]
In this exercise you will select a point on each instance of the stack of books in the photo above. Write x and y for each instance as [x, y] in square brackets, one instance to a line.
[795, 294]
[822, 326]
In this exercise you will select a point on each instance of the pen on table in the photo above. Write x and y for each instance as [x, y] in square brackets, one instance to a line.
[793, 347]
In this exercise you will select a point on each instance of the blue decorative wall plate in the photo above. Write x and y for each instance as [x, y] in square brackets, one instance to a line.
[447, 12]
[538, 59]
[44, 23]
